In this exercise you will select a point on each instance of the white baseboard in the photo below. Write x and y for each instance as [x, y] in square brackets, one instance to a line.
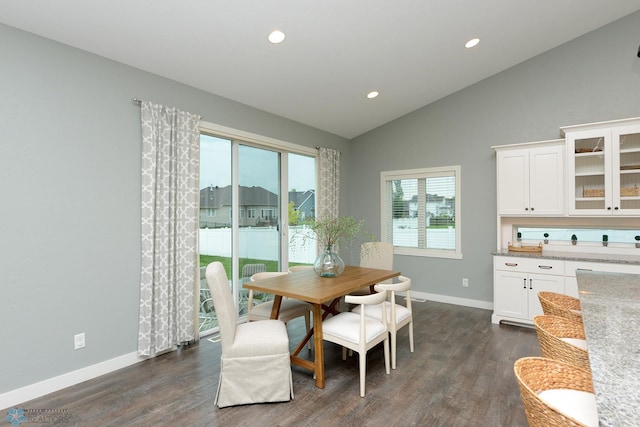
[453, 300]
[32, 391]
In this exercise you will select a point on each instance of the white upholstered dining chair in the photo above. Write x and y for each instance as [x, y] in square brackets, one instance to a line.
[358, 332]
[295, 268]
[255, 365]
[289, 308]
[375, 255]
[398, 315]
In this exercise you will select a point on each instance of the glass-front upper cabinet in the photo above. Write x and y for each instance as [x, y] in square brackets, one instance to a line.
[603, 168]
[627, 163]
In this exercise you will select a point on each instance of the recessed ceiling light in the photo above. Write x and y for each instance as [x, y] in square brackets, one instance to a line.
[471, 43]
[372, 94]
[276, 37]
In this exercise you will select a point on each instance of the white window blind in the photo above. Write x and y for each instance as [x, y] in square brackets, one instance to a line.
[420, 210]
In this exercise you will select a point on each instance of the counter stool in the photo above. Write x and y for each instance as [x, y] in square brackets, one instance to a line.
[562, 305]
[555, 393]
[562, 339]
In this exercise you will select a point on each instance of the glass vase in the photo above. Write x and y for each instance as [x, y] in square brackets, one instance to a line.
[328, 263]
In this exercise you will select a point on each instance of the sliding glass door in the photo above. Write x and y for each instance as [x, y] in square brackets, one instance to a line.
[216, 222]
[259, 204]
[249, 197]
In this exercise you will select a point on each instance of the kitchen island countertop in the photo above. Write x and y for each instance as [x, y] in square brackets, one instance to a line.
[610, 305]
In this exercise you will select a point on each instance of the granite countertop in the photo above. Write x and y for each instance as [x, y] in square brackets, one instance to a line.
[575, 256]
[610, 305]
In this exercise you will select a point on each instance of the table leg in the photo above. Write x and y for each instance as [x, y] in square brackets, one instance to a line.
[319, 345]
[275, 309]
[320, 312]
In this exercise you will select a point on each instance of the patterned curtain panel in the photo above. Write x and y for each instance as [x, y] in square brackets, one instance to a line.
[170, 199]
[329, 185]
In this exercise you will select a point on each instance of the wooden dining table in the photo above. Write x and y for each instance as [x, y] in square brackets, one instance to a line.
[324, 294]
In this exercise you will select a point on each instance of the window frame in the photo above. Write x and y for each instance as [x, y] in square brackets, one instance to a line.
[386, 204]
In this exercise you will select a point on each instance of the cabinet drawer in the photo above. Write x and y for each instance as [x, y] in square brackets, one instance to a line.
[572, 266]
[529, 265]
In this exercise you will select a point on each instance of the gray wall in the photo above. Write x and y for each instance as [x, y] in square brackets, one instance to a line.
[70, 204]
[69, 177]
[593, 78]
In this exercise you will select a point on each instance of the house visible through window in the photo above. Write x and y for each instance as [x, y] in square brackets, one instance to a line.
[268, 213]
[421, 211]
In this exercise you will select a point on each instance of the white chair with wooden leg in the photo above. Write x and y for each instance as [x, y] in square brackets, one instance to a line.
[358, 332]
[398, 315]
[255, 364]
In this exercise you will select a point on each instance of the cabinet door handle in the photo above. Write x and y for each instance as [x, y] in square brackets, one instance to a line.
[616, 208]
[525, 283]
[584, 269]
[526, 209]
[511, 264]
[530, 283]
[608, 208]
[545, 267]
[532, 209]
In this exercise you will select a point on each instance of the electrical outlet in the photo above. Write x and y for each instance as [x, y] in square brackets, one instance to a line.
[465, 282]
[79, 341]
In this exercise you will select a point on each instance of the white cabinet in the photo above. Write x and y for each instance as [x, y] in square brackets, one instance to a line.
[516, 283]
[530, 178]
[603, 168]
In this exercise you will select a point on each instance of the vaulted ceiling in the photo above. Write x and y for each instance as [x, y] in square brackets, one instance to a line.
[335, 51]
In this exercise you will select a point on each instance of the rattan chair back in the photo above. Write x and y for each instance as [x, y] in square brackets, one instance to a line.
[551, 330]
[556, 304]
[536, 374]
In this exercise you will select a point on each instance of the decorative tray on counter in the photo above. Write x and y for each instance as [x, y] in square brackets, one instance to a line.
[530, 249]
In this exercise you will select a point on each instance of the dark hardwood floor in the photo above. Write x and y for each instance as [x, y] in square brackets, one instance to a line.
[461, 374]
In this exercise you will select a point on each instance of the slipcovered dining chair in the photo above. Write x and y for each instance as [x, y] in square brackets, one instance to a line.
[562, 339]
[375, 255]
[556, 304]
[255, 365]
[294, 268]
[555, 393]
[358, 332]
[207, 315]
[289, 308]
[398, 315]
